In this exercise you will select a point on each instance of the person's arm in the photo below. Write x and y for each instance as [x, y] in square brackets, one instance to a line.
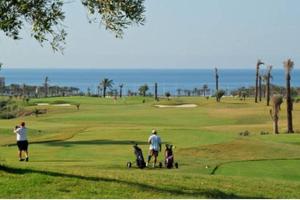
[17, 130]
[149, 140]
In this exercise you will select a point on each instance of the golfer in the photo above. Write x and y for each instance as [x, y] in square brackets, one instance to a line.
[22, 142]
[155, 147]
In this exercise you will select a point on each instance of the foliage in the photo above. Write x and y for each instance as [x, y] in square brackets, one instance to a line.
[143, 90]
[46, 18]
[219, 95]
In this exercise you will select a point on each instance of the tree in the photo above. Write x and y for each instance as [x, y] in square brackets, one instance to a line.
[46, 18]
[205, 88]
[99, 90]
[106, 83]
[288, 66]
[269, 68]
[179, 92]
[260, 87]
[217, 79]
[46, 86]
[143, 89]
[156, 91]
[168, 94]
[121, 90]
[219, 95]
[277, 101]
[259, 62]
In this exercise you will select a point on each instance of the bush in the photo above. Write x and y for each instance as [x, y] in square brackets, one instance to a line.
[244, 133]
[8, 115]
[219, 95]
[264, 133]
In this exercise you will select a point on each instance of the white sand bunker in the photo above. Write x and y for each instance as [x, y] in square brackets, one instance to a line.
[47, 104]
[177, 106]
[64, 104]
[43, 104]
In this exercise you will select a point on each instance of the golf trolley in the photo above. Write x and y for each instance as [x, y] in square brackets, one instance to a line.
[140, 162]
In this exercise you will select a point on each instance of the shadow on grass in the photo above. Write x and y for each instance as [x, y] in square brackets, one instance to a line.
[67, 143]
[95, 142]
[207, 193]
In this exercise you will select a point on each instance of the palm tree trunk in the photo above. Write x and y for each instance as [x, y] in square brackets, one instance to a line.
[104, 92]
[289, 104]
[120, 92]
[276, 131]
[256, 84]
[260, 89]
[155, 92]
[268, 89]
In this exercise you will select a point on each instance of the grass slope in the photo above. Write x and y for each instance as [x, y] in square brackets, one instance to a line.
[83, 153]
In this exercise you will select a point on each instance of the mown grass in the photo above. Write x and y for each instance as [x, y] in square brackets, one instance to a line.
[83, 153]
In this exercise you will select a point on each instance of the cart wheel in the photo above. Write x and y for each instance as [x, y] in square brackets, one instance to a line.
[160, 165]
[176, 165]
[128, 164]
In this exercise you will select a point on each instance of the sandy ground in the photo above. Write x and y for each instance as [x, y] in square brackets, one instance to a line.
[65, 104]
[47, 104]
[43, 104]
[177, 106]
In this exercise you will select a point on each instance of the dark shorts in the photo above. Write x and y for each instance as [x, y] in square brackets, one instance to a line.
[153, 153]
[22, 145]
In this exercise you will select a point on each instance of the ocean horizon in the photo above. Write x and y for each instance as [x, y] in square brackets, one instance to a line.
[169, 80]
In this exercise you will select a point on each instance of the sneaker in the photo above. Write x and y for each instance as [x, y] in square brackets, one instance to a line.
[27, 159]
[147, 164]
[21, 159]
[153, 165]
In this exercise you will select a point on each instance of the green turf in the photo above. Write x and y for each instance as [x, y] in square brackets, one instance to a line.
[83, 153]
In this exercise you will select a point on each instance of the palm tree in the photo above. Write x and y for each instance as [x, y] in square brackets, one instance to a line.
[217, 79]
[260, 87]
[288, 65]
[143, 89]
[121, 90]
[179, 92]
[106, 83]
[269, 68]
[155, 92]
[259, 62]
[277, 101]
[98, 90]
[205, 88]
[46, 86]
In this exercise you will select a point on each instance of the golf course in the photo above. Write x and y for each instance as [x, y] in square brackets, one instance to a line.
[82, 153]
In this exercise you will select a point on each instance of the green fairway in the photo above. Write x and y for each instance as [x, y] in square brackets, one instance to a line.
[83, 153]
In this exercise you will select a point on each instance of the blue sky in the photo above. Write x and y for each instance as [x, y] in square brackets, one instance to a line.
[177, 34]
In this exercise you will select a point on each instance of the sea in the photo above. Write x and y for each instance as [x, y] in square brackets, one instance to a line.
[168, 80]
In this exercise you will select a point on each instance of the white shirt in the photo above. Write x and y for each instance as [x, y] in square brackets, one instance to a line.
[155, 142]
[21, 134]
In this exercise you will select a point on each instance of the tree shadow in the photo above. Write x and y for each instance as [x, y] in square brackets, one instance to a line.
[207, 193]
[95, 142]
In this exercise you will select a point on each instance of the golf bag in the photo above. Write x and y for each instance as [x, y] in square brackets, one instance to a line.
[169, 157]
[140, 162]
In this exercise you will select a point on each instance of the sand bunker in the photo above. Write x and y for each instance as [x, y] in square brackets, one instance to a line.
[43, 104]
[64, 104]
[47, 104]
[177, 106]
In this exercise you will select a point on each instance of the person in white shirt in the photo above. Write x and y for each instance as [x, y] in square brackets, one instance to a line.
[22, 142]
[155, 146]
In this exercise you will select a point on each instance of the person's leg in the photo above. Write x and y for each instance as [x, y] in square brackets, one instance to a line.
[20, 155]
[155, 154]
[26, 151]
[26, 154]
[149, 157]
